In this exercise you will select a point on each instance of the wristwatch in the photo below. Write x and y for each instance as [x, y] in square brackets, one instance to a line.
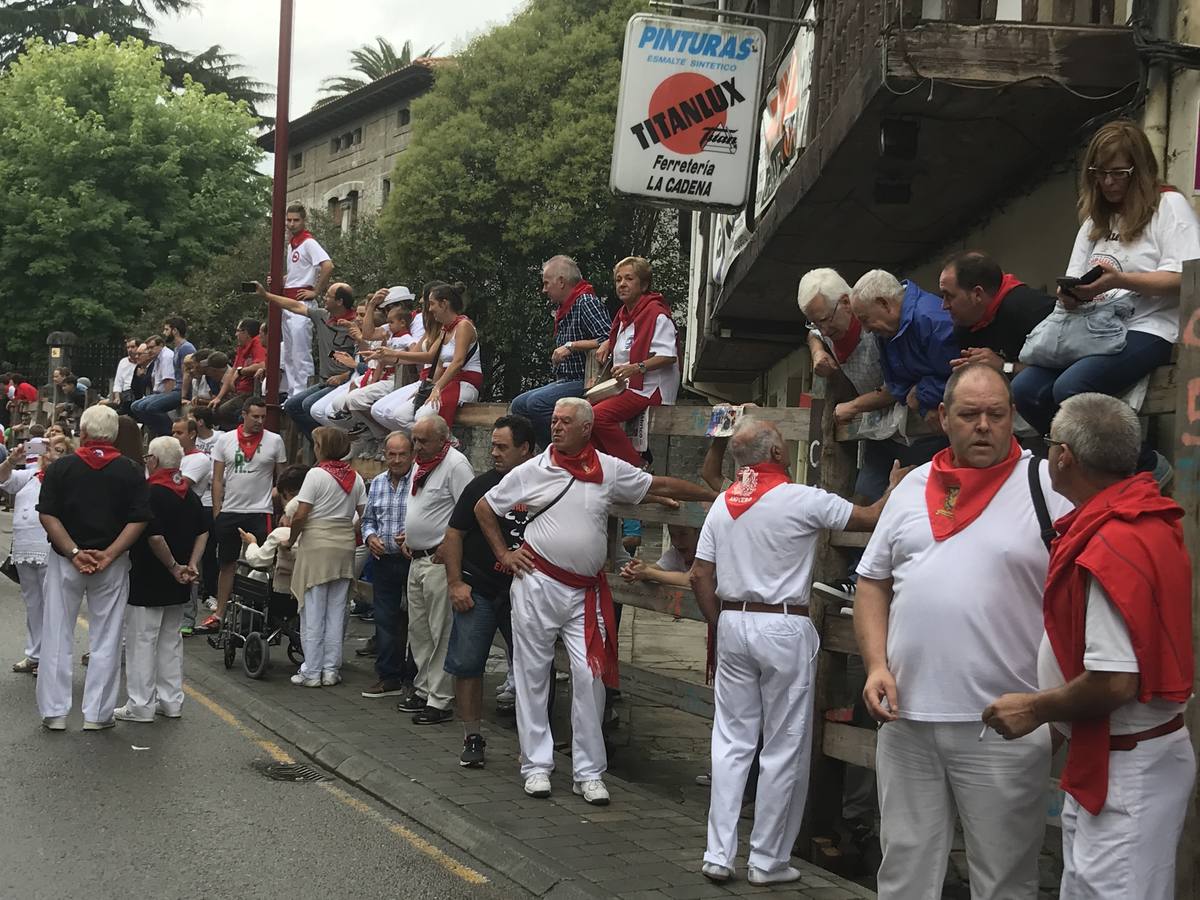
[1008, 368]
[74, 552]
[642, 367]
[570, 345]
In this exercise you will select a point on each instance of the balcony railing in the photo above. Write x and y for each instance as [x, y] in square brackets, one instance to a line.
[1030, 12]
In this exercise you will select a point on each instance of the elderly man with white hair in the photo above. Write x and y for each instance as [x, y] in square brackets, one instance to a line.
[94, 504]
[581, 323]
[165, 562]
[915, 336]
[559, 587]
[752, 575]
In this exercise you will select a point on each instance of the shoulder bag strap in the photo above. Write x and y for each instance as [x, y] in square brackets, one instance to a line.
[1045, 524]
[561, 494]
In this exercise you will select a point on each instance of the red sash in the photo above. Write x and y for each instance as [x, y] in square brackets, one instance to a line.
[97, 454]
[601, 645]
[849, 341]
[957, 495]
[565, 307]
[753, 482]
[248, 443]
[171, 480]
[425, 469]
[645, 312]
[584, 465]
[1007, 284]
[341, 472]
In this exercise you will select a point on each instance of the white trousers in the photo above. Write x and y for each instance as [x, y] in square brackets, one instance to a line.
[296, 353]
[766, 664]
[323, 627]
[33, 582]
[359, 402]
[323, 408]
[430, 621]
[1128, 851]
[929, 770]
[467, 393]
[395, 411]
[106, 592]
[543, 610]
[154, 659]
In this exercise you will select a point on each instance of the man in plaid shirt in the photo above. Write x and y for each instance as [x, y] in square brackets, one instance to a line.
[382, 528]
[581, 322]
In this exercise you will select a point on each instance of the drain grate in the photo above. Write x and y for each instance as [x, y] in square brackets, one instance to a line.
[295, 772]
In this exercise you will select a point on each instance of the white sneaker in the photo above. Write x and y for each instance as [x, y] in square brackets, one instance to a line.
[538, 785]
[55, 723]
[125, 715]
[780, 876]
[99, 726]
[508, 686]
[167, 713]
[329, 679]
[594, 792]
[506, 697]
[713, 872]
[300, 680]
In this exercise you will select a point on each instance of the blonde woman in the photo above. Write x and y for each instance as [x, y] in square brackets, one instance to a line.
[29, 542]
[323, 537]
[1139, 231]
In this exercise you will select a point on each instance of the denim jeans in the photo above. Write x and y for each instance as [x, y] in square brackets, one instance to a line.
[152, 411]
[878, 457]
[393, 661]
[1039, 392]
[301, 402]
[537, 405]
[474, 631]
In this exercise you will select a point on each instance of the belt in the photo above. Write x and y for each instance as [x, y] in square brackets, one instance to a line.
[781, 608]
[422, 554]
[1129, 741]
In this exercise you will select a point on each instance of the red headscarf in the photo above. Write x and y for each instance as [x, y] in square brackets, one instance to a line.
[643, 316]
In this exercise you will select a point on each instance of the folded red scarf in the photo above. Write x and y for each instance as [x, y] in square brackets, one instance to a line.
[563, 308]
[597, 602]
[341, 472]
[171, 480]
[97, 454]
[643, 317]
[752, 483]
[843, 347]
[957, 495]
[425, 469]
[584, 465]
[1006, 284]
[248, 443]
[297, 239]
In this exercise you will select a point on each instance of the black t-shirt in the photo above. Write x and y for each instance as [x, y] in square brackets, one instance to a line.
[95, 505]
[1020, 311]
[480, 569]
[179, 521]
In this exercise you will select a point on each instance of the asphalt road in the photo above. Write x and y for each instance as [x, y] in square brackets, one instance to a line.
[191, 814]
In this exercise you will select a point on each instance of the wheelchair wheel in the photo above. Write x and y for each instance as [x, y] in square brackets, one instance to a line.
[230, 650]
[227, 636]
[255, 655]
[294, 652]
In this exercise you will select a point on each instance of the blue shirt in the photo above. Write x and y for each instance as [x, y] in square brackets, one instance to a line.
[183, 350]
[919, 354]
[588, 320]
[386, 510]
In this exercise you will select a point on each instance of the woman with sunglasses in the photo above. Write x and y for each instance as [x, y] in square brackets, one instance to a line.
[1139, 231]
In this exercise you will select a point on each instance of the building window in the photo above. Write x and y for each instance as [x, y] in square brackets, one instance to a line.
[403, 118]
[349, 212]
[335, 145]
[387, 190]
[335, 210]
[356, 136]
[297, 160]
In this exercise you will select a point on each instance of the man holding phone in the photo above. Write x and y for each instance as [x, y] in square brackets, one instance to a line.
[309, 269]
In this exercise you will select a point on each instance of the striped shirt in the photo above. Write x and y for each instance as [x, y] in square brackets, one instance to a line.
[588, 320]
[386, 510]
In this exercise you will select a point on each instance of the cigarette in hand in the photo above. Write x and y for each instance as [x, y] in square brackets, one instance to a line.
[982, 732]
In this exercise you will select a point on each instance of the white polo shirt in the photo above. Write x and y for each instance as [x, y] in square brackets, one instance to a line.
[572, 534]
[666, 380]
[248, 483]
[966, 613]
[429, 509]
[164, 368]
[197, 468]
[321, 491]
[766, 554]
[303, 263]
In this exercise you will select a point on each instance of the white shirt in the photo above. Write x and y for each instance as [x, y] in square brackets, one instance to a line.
[164, 368]
[206, 444]
[328, 500]
[303, 264]
[417, 326]
[248, 483]
[665, 380]
[572, 534]
[672, 561]
[123, 380]
[429, 510]
[1172, 237]
[966, 613]
[1107, 648]
[766, 554]
[29, 541]
[446, 356]
[197, 468]
[200, 389]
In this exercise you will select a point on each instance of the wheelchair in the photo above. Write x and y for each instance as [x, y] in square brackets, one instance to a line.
[256, 619]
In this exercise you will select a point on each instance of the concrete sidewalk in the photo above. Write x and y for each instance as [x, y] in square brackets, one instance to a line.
[641, 847]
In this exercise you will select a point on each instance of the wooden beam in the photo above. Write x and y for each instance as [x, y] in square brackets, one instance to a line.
[849, 539]
[850, 744]
[690, 514]
[665, 599]
[838, 636]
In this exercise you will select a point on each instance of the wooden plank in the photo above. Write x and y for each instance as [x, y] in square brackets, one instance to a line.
[1160, 395]
[691, 514]
[660, 598]
[851, 539]
[838, 634]
[849, 744]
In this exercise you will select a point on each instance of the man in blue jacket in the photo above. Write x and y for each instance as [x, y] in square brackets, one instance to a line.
[915, 336]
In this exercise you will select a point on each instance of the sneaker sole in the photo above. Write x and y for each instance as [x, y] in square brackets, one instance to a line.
[471, 765]
[599, 802]
[540, 795]
[373, 696]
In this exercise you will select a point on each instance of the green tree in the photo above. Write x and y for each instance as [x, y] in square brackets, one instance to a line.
[372, 63]
[111, 180]
[509, 166]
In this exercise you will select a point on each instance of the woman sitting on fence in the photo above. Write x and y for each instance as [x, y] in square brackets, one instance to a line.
[1139, 231]
[644, 351]
[458, 376]
[396, 411]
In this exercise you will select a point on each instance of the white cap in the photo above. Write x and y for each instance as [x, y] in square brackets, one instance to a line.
[395, 295]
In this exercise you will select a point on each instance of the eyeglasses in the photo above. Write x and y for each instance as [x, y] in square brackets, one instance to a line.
[1098, 174]
[1051, 442]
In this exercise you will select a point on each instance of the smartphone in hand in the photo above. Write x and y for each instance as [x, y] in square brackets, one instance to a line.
[1066, 282]
[248, 287]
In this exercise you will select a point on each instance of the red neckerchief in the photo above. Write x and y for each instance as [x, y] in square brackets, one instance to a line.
[1128, 537]
[40, 474]
[563, 308]
[448, 330]
[648, 308]
[753, 482]
[956, 495]
[584, 465]
[341, 472]
[597, 602]
[97, 454]
[849, 341]
[425, 469]
[297, 239]
[190, 452]
[171, 480]
[246, 353]
[249, 442]
[347, 315]
[1007, 283]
